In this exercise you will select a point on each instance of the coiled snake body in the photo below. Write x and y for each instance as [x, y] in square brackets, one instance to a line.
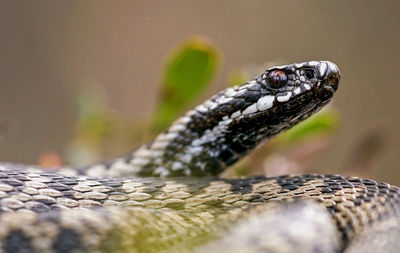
[145, 201]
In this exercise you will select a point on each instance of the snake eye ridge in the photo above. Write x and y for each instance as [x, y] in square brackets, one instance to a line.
[277, 79]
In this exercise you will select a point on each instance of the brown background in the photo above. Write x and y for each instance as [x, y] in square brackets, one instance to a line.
[49, 48]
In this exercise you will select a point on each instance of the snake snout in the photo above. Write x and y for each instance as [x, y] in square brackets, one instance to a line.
[330, 77]
[329, 72]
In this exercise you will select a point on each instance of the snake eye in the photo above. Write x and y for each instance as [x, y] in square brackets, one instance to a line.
[277, 79]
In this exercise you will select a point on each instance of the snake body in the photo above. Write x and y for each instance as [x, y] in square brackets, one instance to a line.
[145, 201]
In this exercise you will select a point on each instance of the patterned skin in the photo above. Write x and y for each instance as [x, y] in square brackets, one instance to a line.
[108, 207]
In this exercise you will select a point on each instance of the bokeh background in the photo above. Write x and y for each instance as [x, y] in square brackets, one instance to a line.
[50, 52]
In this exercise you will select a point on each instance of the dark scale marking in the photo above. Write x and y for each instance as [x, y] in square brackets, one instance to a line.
[369, 182]
[198, 122]
[384, 185]
[291, 183]
[38, 207]
[355, 180]
[226, 156]
[58, 186]
[237, 103]
[244, 186]
[17, 242]
[238, 148]
[46, 201]
[148, 189]
[332, 184]
[68, 241]
[112, 183]
[346, 185]
[224, 109]
[56, 177]
[67, 181]
[336, 187]
[69, 194]
[326, 190]
[251, 96]
[12, 182]
[383, 192]
[21, 178]
[292, 187]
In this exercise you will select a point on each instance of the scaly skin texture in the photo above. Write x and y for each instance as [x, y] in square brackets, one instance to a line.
[109, 207]
[50, 212]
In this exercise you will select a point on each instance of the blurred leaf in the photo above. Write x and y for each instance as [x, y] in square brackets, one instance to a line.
[237, 77]
[93, 114]
[188, 70]
[321, 123]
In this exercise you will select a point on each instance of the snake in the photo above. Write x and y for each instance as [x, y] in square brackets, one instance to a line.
[166, 196]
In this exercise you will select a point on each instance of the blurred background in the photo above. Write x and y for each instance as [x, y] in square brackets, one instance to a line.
[81, 81]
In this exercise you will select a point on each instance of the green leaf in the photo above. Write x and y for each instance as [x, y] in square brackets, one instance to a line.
[188, 70]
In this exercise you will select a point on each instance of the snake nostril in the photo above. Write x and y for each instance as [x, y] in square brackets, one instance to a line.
[309, 73]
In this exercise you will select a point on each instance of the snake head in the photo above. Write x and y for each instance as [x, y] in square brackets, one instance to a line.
[280, 94]
[319, 78]
[287, 92]
[267, 105]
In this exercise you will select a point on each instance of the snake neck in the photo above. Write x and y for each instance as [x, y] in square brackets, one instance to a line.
[217, 133]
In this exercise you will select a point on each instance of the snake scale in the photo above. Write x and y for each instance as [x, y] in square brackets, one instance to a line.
[165, 196]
